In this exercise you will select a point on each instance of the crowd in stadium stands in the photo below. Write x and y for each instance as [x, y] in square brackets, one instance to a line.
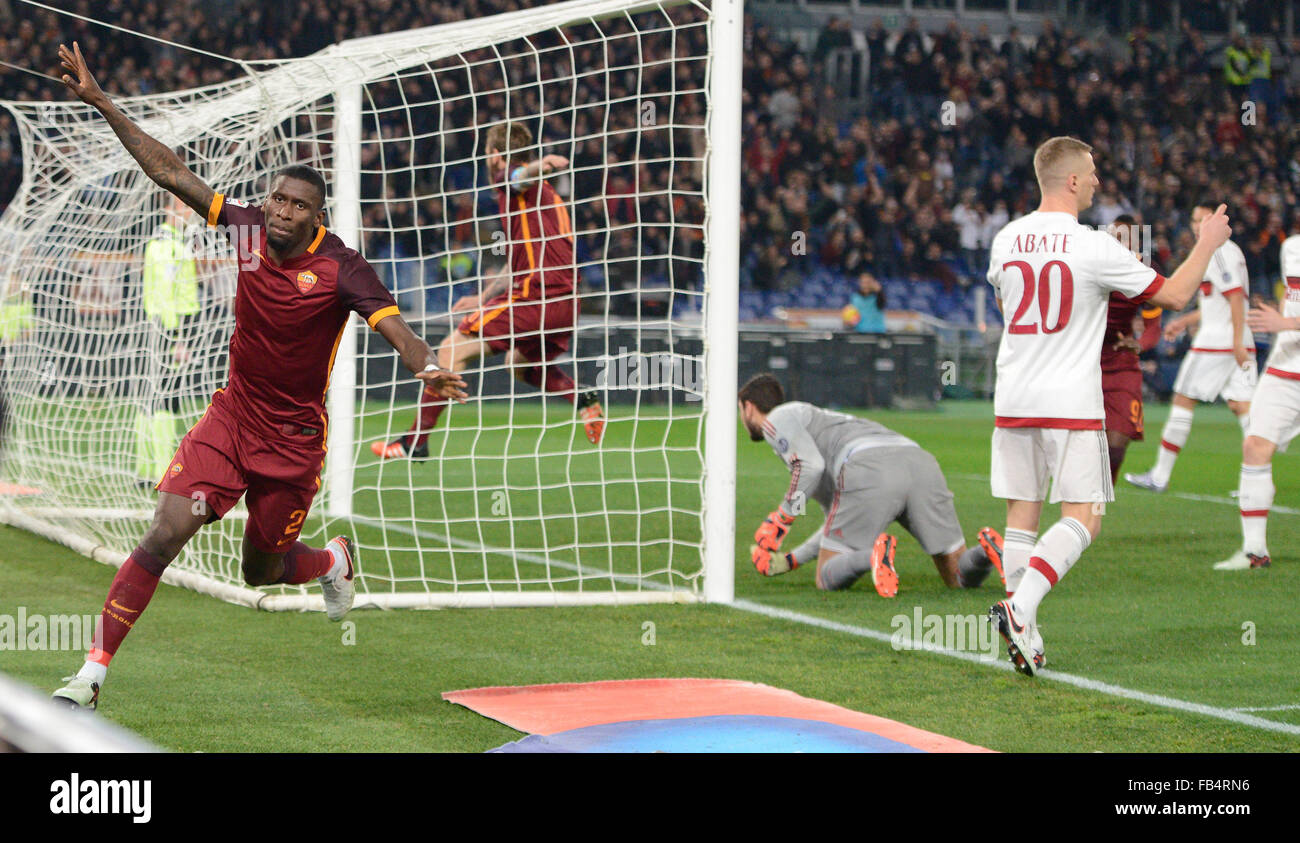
[909, 182]
[941, 156]
[645, 221]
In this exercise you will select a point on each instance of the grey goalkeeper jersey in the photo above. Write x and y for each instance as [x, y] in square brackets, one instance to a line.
[815, 444]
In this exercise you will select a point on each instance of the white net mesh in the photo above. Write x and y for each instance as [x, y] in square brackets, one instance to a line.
[513, 503]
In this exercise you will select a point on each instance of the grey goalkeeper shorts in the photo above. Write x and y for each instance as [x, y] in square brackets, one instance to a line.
[877, 486]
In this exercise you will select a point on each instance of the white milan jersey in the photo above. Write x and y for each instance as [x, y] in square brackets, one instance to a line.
[1054, 278]
[1225, 274]
[1285, 357]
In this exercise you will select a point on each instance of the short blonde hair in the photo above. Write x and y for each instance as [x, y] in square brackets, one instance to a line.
[1053, 156]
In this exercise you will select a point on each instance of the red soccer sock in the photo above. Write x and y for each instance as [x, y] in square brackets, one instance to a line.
[130, 593]
[555, 380]
[431, 407]
[304, 564]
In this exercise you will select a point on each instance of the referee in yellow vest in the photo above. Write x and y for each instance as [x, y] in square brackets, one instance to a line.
[171, 304]
[1237, 66]
[1261, 75]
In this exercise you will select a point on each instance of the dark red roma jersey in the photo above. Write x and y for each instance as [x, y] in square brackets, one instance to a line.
[541, 241]
[289, 319]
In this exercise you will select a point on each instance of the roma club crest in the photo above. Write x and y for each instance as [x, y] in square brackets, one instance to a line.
[306, 280]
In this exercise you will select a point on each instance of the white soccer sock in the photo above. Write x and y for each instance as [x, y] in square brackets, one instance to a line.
[94, 671]
[1017, 547]
[1053, 556]
[1172, 439]
[1255, 498]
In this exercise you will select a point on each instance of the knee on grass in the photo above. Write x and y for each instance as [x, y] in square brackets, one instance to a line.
[843, 570]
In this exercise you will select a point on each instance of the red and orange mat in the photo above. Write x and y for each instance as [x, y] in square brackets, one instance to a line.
[689, 715]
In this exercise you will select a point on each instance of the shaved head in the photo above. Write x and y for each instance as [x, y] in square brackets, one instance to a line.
[1066, 171]
[1059, 158]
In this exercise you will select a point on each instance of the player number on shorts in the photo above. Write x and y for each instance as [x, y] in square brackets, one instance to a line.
[1044, 291]
[295, 521]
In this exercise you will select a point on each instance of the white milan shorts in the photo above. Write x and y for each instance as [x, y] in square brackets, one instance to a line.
[1076, 462]
[1275, 410]
[1205, 375]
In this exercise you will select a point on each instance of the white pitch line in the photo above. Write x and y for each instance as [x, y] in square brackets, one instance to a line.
[1231, 715]
[1269, 708]
[523, 556]
[1285, 510]
[1187, 496]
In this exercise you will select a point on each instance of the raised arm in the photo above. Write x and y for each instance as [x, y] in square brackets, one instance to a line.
[1179, 288]
[520, 177]
[157, 161]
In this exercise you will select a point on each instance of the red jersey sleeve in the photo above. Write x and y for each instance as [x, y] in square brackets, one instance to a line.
[361, 290]
[243, 223]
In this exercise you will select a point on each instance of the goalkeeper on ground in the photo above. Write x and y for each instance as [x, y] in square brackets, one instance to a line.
[865, 476]
[527, 310]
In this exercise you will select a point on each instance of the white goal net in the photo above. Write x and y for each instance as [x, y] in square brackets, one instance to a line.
[106, 364]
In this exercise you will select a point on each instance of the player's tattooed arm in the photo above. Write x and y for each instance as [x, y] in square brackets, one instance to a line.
[421, 360]
[159, 163]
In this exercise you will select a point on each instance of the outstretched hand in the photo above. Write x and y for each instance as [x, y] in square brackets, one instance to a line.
[78, 77]
[444, 384]
[1267, 319]
[553, 164]
[1125, 342]
[1174, 329]
[466, 304]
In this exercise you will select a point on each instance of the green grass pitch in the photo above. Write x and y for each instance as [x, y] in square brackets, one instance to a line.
[1141, 610]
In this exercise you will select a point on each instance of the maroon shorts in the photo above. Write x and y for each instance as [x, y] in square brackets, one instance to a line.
[1121, 390]
[539, 330]
[220, 460]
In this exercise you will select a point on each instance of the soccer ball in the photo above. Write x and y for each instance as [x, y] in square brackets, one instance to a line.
[851, 316]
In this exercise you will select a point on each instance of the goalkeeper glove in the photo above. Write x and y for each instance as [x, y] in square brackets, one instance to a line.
[769, 566]
[773, 530]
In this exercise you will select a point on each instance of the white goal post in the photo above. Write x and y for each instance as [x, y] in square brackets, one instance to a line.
[513, 506]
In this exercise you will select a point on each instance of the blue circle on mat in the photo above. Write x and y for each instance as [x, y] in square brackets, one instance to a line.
[720, 733]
